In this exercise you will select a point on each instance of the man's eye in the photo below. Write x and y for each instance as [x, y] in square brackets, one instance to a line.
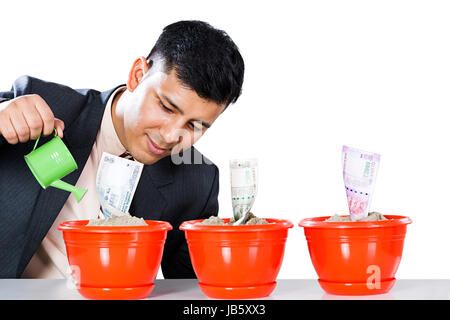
[194, 127]
[164, 107]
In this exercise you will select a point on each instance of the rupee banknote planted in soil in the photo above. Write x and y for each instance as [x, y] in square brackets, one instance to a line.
[244, 185]
[360, 172]
[116, 182]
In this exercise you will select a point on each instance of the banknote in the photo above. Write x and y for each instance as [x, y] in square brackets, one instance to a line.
[244, 185]
[360, 172]
[117, 179]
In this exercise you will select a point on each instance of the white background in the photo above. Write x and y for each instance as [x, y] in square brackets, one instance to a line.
[319, 74]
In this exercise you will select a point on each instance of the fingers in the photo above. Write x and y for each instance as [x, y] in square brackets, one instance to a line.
[8, 132]
[34, 122]
[20, 125]
[59, 126]
[46, 115]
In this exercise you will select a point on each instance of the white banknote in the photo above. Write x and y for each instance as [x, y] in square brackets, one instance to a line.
[244, 185]
[360, 172]
[117, 179]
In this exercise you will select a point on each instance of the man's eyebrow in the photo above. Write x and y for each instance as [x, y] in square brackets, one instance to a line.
[205, 124]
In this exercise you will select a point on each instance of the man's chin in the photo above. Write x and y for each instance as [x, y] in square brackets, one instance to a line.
[152, 159]
[145, 157]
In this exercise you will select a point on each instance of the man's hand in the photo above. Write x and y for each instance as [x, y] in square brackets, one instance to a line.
[26, 117]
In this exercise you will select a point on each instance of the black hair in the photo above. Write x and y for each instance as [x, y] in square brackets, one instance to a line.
[204, 58]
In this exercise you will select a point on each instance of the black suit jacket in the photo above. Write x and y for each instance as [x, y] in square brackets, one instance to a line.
[166, 191]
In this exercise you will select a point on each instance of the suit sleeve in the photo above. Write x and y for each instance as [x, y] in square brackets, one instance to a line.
[7, 95]
[179, 264]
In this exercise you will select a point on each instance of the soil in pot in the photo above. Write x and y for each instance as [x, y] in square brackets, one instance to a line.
[250, 220]
[373, 216]
[119, 221]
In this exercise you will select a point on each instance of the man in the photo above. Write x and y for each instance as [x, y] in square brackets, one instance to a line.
[170, 99]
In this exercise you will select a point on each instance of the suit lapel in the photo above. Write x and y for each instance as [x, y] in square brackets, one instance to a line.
[150, 198]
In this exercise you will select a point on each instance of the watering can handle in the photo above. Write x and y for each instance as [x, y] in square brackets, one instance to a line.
[35, 145]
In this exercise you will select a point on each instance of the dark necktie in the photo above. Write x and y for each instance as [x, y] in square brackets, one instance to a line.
[127, 155]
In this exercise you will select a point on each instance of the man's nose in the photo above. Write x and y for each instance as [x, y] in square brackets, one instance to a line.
[172, 132]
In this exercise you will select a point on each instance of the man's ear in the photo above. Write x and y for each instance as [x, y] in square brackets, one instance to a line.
[139, 68]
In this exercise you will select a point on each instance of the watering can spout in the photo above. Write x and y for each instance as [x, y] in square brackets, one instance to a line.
[77, 192]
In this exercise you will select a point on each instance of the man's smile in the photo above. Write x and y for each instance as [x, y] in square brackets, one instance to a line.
[154, 148]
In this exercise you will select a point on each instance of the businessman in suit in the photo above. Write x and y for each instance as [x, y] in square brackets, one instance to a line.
[170, 99]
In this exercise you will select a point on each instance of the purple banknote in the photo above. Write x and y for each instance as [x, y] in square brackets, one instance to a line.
[360, 172]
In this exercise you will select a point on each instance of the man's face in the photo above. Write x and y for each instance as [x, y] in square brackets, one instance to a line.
[161, 116]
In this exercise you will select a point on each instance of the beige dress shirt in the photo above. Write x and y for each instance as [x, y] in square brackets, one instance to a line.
[50, 260]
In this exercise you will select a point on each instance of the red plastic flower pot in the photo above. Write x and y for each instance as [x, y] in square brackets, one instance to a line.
[236, 262]
[114, 262]
[356, 258]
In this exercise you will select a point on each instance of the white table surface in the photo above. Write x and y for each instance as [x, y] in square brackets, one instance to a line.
[187, 289]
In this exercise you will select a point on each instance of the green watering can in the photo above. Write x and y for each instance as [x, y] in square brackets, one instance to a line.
[51, 162]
